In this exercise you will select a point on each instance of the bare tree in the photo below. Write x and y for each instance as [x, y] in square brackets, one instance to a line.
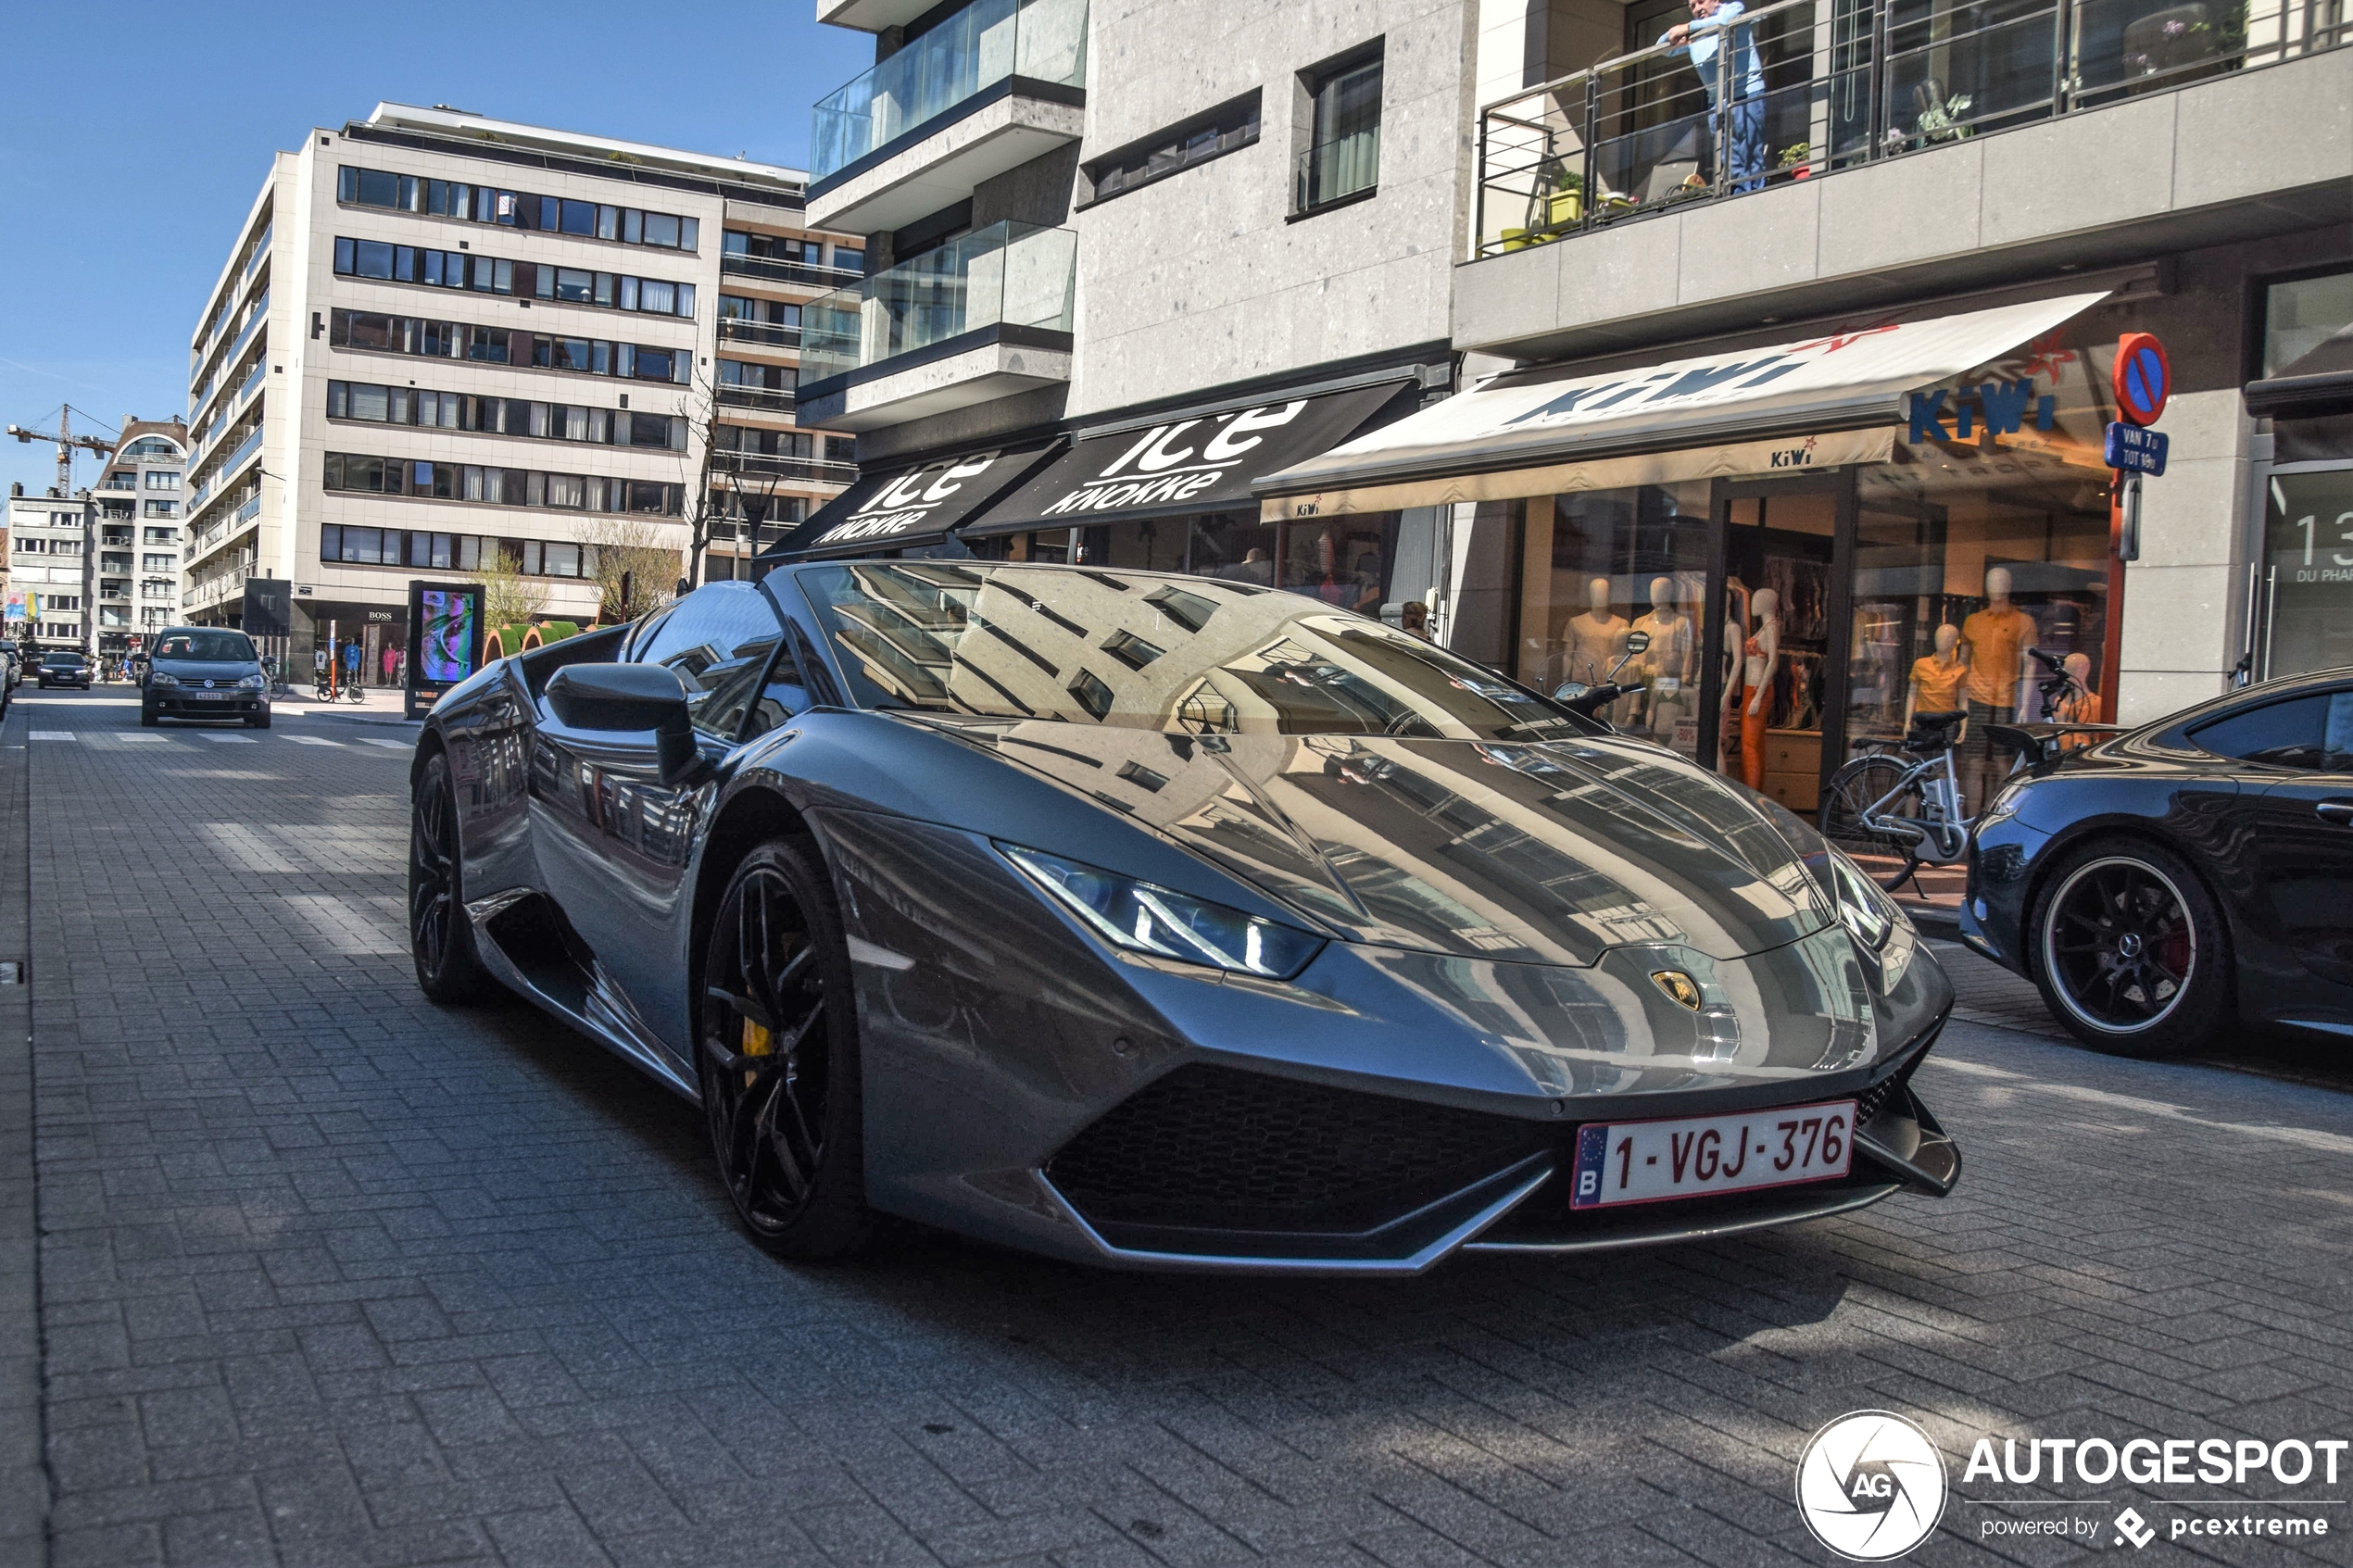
[702, 508]
[637, 566]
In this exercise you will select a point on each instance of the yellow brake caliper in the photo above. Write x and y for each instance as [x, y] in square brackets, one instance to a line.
[756, 1043]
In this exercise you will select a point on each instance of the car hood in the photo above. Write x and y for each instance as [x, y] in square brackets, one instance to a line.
[206, 668]
[1548, 853]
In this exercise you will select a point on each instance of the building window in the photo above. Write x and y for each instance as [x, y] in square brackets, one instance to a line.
[1228, 128]
[1342, 157]
[369, 333]
[2300, 315]
[485, 274]
[514, 209]
[162, 509]
[352, 471]
[163, 536]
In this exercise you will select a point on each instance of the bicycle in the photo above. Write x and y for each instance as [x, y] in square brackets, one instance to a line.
[1880, 808]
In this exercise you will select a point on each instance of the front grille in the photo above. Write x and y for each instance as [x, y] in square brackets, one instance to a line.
[1212, 1149]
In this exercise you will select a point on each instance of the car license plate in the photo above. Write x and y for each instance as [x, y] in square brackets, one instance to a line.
[1650, 1161]
[212, 696]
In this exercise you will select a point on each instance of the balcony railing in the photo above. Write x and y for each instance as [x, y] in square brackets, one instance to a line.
[1008, 274]
[779, 400]
[775, 269]
[261, 250]
[251, 509]
[977, 48]
[1815, 86]
[776, 334]
[813, 468]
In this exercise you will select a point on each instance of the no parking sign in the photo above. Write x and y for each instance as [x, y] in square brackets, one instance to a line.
[2143, 377]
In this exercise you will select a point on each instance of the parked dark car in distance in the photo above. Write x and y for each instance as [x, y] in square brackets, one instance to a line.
[205, 672]
[13, 657]
[2194, 871]
[63, 669]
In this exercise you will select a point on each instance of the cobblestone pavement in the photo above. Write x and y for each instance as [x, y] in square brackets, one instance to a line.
[330, 1277]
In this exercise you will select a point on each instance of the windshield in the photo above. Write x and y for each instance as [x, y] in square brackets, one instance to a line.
[215, 646]
[61, 659]
[1139, 651]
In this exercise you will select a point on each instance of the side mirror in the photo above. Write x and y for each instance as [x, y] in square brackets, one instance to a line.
[630, 699]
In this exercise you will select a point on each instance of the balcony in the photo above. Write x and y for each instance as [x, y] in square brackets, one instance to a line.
[816, 470]
[981, 318]
[1895, 145]
[997, 84]
[796, 274]
[773, 334]
[775, 400]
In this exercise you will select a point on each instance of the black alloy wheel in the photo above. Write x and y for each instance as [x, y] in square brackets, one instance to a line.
[2130, 951]
[777, 1056]
[1888, 859]
[440, 939]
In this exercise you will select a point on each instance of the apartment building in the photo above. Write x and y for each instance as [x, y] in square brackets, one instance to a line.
[1121, 263]
[444, 344]
[99, 568]
[1795, 346]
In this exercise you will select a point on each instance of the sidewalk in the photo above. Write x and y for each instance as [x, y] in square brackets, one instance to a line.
[24, 1483]
[381, 704]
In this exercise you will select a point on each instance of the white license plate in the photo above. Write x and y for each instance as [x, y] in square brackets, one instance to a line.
[212, 696]
[1650, 1161]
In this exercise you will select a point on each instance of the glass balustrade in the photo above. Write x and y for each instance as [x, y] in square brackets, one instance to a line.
[1008, 274]
[977, 48]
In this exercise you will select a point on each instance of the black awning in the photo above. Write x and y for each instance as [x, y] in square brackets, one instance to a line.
[1201, 464]
[900, 506]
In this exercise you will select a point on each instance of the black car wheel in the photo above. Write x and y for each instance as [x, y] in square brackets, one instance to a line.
[778, 1057]
[1887, 859]
[2131, 950]
[440, 939]
[148, 717]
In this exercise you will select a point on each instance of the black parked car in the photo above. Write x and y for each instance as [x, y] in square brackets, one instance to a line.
[12, 656]
[1166, 923]
[63, 669]
[205, 672]
[2193, 870]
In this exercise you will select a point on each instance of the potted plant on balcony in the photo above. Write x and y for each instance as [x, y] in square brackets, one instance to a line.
[1794, 160]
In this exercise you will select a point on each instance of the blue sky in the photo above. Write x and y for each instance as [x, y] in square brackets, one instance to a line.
[133, 137]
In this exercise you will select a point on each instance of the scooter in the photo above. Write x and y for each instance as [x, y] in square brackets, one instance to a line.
[1579, 698]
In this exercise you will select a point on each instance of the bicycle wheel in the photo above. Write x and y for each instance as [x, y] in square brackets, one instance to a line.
[1874, 784]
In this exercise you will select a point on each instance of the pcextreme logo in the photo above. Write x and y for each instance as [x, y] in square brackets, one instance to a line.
[1870, 1485]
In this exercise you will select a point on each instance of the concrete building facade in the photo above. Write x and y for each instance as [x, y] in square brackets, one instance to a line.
[98, 569]
[444, 345]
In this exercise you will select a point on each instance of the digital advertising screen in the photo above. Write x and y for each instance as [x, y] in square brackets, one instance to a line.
[446, 619]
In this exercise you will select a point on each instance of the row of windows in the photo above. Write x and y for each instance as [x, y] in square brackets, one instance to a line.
[353, 545]
[515, 210]
[500, 487]
[154, 447]
[503, 416]
[381, 333]
[26, 545]
[483, 274]
[776, 312]
[777, 247]
[767, 377]
[784, 442]
[162, 509]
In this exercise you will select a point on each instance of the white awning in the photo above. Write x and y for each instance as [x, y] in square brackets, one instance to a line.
[1824, 398]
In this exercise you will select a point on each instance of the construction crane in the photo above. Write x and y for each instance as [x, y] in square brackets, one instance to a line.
[67, 441]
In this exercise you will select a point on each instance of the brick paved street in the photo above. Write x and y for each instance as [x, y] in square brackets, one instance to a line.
[330, 1277]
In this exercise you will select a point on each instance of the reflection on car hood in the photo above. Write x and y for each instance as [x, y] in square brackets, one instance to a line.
[1547, 853]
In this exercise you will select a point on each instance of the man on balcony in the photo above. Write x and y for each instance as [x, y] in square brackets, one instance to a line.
[1744, 81]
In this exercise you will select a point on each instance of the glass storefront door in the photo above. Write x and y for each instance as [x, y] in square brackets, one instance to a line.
[2308, 562]
[1776, 640]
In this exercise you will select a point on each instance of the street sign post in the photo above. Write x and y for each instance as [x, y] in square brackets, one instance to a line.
[2136, 449]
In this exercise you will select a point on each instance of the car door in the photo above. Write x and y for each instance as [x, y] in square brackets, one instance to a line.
[2295, 811]
[615, 841]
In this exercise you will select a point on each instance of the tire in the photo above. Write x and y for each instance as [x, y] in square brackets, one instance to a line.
[776, 1052]
[257, 721]
[2130, 950]
[1887, 859]
[441, 940]
[148, 717]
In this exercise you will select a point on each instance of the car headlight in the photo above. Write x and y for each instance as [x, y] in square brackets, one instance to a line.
[1143, 918]
[159, 679]
[1869, 914]
[252, 682]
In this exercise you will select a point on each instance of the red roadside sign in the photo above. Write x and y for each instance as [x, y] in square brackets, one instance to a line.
[2143, 377]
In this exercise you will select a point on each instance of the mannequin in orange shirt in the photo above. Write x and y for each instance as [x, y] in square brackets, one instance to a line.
[1936, 680]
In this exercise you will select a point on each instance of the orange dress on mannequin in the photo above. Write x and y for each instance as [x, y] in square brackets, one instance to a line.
[1753, 715]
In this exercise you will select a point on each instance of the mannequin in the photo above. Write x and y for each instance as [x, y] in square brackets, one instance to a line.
[1669, 664]
[1998, 636]
[1762, 656]
[2081, 705]
[1593, 639]
[1936, 681]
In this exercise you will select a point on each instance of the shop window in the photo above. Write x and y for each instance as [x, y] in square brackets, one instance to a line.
[1595, 567]
[2299, 315]
[1342, 561]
